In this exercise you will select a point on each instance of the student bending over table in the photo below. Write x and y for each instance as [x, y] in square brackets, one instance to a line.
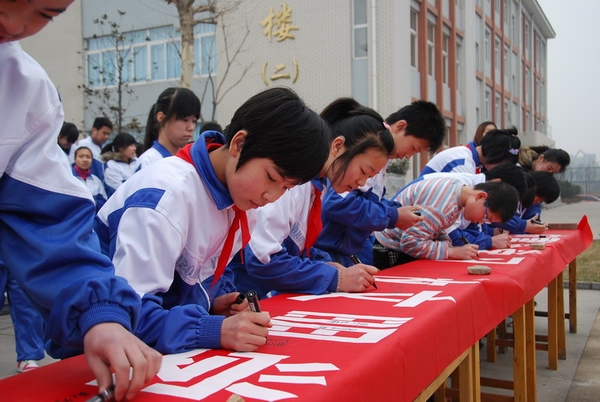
[442, 201]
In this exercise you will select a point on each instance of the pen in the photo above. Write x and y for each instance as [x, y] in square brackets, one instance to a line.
[356, 260]
[464, 239]
[240, 298]
[501, 230]
[253, 301]
[104, 396]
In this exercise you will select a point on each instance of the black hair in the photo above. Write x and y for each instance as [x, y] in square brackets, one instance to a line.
[211, 126]
[173, 102]
[362, 129]
[282, 128]
[546, 186]
[501, 145]
[480, 129]
[70, 131]
[424, 121]
[502, 198]
[509, 174]
[558, 156]
[100, 122]
[121, 140]
[527, 199]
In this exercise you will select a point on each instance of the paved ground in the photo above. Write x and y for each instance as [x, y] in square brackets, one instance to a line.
[577, 378]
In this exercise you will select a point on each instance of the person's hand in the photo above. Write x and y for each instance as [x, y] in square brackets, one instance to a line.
[356, 278]
[501, 241]
[466, 252]
[246, 331]
[109, 345]
[535, 228]
[224, 305]
[407, 217]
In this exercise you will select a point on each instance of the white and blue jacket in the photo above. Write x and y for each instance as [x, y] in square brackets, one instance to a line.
[164, 229]
[462, 158]
[46, 214]
[275, 259]
[153, 154]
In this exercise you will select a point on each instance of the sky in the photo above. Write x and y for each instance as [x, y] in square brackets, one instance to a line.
[574, 74]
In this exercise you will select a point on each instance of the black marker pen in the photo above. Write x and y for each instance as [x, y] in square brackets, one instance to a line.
[356, 260]
[537, 221]
[253, 301]
[418, 213]
[240, 298]
[464, 240]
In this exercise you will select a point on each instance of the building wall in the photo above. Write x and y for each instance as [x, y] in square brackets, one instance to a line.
[59, 50]
[317, 57]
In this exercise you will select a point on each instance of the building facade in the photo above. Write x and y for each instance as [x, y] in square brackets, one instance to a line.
[476, 59]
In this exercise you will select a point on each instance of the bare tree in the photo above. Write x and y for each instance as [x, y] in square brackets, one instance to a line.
[208, 12]
[112, 95]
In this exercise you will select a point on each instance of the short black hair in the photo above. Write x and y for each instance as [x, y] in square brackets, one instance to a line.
[120, 141]
[423, 120]
[546, 186]
[211, 126]
[70, 131]
[100, 122]
[501, 145]
[502, 198]
[282, 128]
[509, 174]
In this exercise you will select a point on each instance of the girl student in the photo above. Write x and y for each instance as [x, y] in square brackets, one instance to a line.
[280, 256]
[82, 170]
[171, 124]
[482, 130]
[121, 161]
[498, 146]
[544, 159]
[198, 208]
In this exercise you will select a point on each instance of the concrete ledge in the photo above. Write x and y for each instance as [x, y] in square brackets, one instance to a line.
[584, 285]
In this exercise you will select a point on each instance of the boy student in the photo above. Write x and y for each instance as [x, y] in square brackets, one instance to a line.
[45, 210]
[280, 256]
[349, 218]
[191, 206]
[475, 233]
[442, 200]
[101, 130]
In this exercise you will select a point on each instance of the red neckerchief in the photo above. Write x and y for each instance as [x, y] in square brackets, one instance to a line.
[239, 219]
[84, 174]
[314, 224]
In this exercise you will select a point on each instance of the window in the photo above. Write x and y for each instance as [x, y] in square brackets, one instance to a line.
[149, 54]
[488, 51]
[430, 48]
[414, 44]
[446, 40]
[488, 103]
[361, 49]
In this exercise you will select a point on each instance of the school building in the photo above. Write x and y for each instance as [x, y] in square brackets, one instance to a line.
[476, 59]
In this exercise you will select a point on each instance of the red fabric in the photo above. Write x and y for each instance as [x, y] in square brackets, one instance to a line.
[239, 220]
[84, 174]
[314, 224]
[445, 311]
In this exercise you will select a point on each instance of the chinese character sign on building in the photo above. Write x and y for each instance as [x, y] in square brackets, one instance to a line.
[279, 26]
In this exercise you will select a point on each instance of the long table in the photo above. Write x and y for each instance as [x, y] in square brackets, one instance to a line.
[384, 344]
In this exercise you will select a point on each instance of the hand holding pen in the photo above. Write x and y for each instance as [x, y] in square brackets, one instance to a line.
[356, 260]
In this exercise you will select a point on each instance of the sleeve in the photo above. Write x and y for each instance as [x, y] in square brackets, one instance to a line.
[178, 329]
[473, 236]
[359, 212]
[426, 239]
[46, 236]
[112, 177]
[533, 210]
[516, 225]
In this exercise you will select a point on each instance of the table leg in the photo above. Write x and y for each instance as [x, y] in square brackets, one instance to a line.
[573, 297]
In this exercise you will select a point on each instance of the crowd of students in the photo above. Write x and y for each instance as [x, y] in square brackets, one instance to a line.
[149, 254]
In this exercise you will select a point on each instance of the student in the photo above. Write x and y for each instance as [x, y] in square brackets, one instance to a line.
[442, 200]
[27, 322]
[280, 256]
[349, 218]
[81, 170]
[547, 190]
[498, 146]
[45, 210]
[482, 130]
[189, 205]
[476, 233]
[67, 137]
[543, 158]
[121, 161]
[171, 124]
[101, 130]
[211, 126]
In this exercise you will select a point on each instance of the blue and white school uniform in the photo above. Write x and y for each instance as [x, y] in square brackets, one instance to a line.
[275, 258]
[117, 171]
[164, 229]
[462, 158]
[46, 214]
[96, 187]
[153, 154]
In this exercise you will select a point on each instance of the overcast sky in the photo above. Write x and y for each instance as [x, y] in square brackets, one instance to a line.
[574, 74]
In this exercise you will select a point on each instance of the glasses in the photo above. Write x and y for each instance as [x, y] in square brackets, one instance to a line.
[485, 214]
